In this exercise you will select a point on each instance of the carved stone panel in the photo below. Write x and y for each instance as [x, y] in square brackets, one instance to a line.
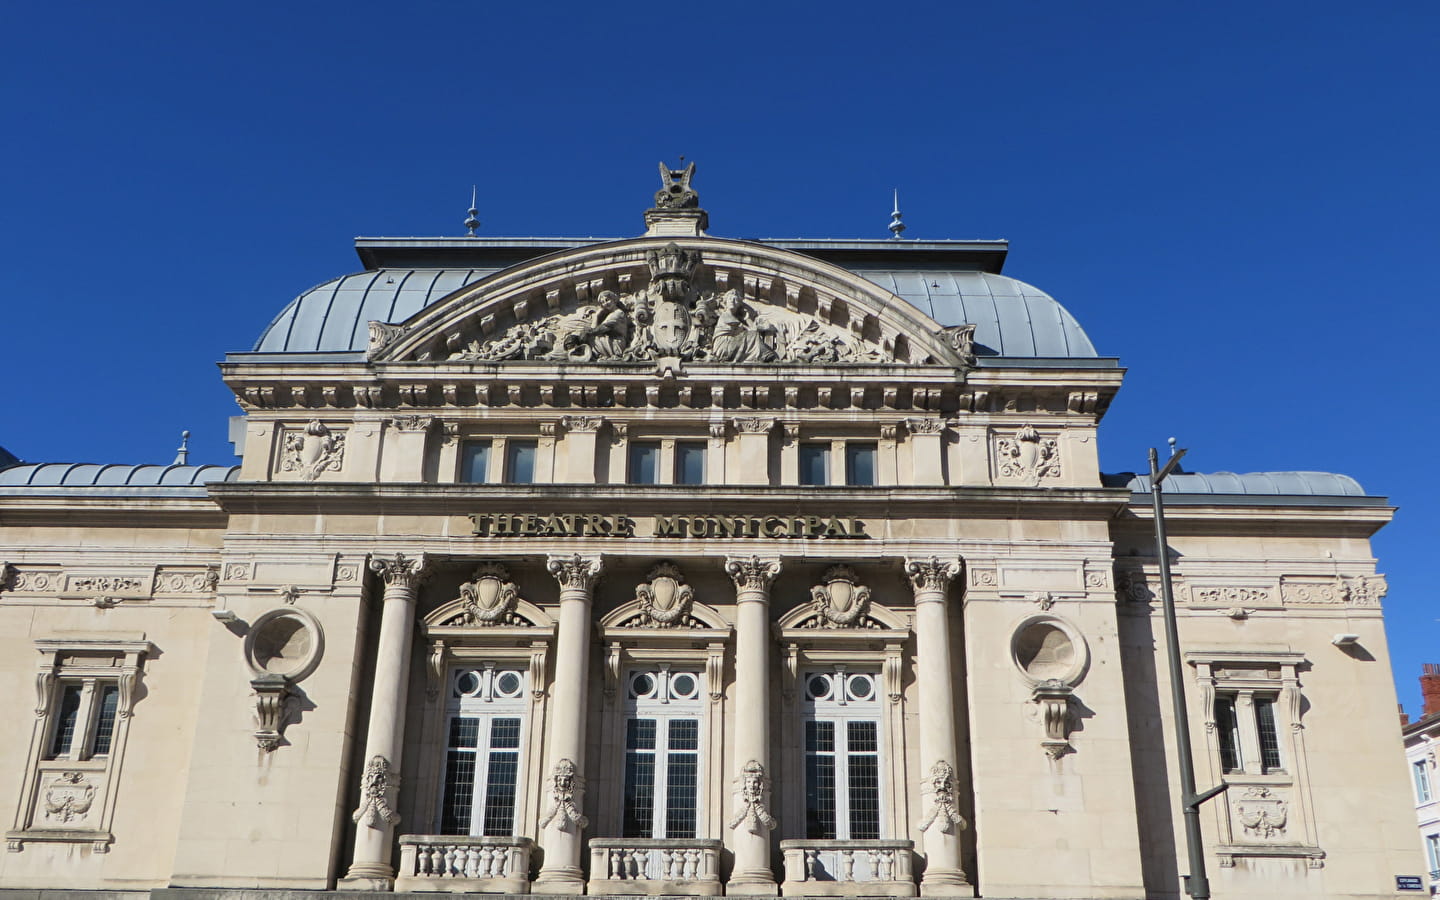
[1027, 457]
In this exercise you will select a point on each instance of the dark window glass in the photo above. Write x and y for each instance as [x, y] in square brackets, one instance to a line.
[105, 719]
[644, 462]
[459, 795]
[474, 461]
[501, 778]
[1227, 730]
[814, 463]
[690, 462]
[520, 462]
[1269, 739]
[820, 780]
[682, 779]
[860, 465]
[66, 719]
[864, 777]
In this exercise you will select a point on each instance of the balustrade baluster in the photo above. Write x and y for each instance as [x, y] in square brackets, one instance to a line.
[692, 862]
[847, 865]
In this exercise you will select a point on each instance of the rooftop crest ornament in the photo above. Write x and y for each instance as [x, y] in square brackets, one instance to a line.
[675, 191]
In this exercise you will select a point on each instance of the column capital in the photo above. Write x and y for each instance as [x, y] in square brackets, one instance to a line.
[752, 573]
[401, 571]
[933, 575]
[575, 572]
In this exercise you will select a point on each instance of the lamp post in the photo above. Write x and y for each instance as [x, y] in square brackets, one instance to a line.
[1197, 885]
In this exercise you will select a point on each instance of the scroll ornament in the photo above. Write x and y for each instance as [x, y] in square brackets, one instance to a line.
[564, 784]
[375, 787]
[1029, 457]
[941, 788]
[752, 573]
[1262, 814]
[576, 572]
[750, 800]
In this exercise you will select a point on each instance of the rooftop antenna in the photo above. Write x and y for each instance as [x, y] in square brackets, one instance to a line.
[896, 226]
[182, 453]
[471, 222]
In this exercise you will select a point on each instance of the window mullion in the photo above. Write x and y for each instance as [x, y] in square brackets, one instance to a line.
[662, 777]
[85, 722]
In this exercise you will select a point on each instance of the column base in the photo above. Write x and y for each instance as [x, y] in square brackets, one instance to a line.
[559, 880]
[368, 877]
[753, 883]
[943, 883]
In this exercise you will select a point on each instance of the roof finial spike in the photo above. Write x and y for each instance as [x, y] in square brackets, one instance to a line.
[896, 226]
[471, 222]
[182, 453]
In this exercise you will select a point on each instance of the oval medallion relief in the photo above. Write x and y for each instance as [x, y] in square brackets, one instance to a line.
[1048, 648]
[285, 642]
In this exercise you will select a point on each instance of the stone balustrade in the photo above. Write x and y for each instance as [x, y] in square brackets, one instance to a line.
[689, 867]
[848, 868]
[491, 865]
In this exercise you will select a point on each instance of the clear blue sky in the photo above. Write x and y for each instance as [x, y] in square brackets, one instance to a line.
[1237, 199]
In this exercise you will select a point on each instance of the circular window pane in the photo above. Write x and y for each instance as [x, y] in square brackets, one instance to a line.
[467, 683]
[683, 686]
[508, 684]
[642, 685]
[861, 687]
[817, 687]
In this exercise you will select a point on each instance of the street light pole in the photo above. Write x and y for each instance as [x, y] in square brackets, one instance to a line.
[1197, 884]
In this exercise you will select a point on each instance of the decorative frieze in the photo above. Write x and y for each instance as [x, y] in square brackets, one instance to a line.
[1360, 590]
[412, 424]
[1230, 596]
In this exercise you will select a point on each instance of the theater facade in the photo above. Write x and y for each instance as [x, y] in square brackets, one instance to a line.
[685, 565]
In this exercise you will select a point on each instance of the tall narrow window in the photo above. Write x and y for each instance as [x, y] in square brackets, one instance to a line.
[1227, 731]
[842, 756]
[474, 462]
[1432, 854]
[1269, 738]
[482, 759]
[67, 721]
[644, 464]
[520, 461]
[662, 755]
[814, 463]
[690, 462]
[860, 464]
[1422, 782]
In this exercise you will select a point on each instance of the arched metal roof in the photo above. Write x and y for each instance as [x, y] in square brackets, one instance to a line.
[43, 475]
[1012, 318]
[1320, 484]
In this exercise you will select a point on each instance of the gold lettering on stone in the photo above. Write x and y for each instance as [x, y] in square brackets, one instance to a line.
[604, 526]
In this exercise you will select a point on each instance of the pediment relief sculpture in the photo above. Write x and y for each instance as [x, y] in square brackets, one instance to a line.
[840, 602]
[672, 317]
[665, 600]
[488, 599]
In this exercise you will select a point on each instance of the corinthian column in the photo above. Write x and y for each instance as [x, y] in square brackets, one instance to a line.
[561, 821]
[750, 821]
[942, 822]
[375, 818]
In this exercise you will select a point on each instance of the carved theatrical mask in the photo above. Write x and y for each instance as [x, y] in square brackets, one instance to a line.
[490, 598]
[665, 600]
[840, 602]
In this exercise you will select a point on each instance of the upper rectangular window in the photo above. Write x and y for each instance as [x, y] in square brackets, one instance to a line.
[475, 462]
[643, 466]
[1421, 773]
[814, 463]
[85, 720]
[520, 461]
[690, 462]
[860, 463]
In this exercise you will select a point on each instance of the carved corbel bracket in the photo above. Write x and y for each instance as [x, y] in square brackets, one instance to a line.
[272, 693]
[1053, 697]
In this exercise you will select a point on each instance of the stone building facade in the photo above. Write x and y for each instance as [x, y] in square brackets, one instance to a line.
[690, 566]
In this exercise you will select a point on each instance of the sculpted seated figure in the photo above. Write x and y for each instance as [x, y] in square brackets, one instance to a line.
[738, 336]
[598, 334]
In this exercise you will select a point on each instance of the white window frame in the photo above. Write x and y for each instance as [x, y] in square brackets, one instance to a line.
[70, 797]
[486, 703]
[841, 708]
[663, 705]
[1424, 793]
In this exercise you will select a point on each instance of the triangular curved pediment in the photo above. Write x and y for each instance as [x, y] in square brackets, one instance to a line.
[705, 300]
